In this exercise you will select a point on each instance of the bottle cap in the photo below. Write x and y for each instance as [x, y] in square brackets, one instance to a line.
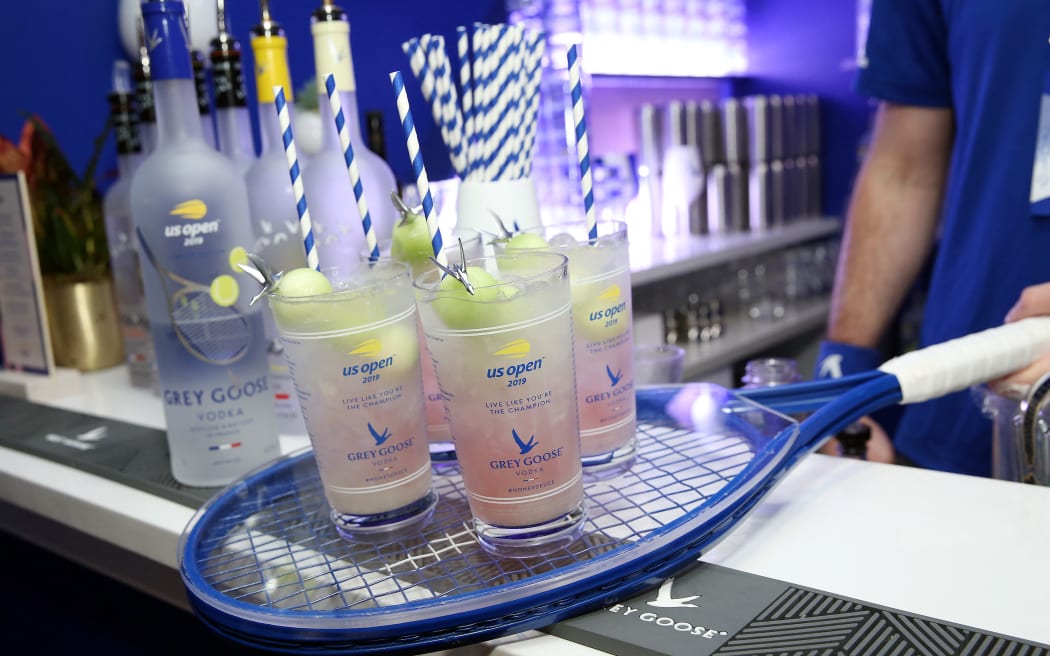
[166, 38]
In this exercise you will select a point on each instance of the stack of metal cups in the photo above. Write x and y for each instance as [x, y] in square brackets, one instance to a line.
[784, 159]
[758, 158]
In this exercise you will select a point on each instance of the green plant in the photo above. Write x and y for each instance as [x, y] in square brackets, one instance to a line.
[306, 98]
[68, 219]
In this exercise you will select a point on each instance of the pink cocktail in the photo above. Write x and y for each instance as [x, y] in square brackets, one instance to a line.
[354, 357]
[503, 357]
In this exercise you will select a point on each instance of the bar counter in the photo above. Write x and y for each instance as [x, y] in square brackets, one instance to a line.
[954, 548]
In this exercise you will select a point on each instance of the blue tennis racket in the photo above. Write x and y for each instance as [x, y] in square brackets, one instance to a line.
[264, 566]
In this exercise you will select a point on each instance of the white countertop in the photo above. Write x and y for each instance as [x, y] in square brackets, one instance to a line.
[955, 548]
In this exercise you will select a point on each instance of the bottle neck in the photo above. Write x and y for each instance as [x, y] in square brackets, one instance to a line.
[330, 136]
[332, 55]
[127, 163]
[270, 133]
[176, 107]
[235, 134]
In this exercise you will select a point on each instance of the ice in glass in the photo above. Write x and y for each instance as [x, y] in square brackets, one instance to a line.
[600, 278]
[353, 352]
[503, 356]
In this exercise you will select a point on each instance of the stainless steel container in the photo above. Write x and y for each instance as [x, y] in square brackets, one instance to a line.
[727, 199]
[650, 151]
[776, 128]
[734, 124]
[707, 119]
[759, 129]
[760, 189]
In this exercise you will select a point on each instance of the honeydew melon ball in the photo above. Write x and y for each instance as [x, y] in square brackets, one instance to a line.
[525, 241]
[298, 283]
[514, 308]
[599, 311]
[410, 241]
[460, 310]
[303, 281]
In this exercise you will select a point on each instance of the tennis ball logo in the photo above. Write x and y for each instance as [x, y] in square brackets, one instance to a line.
[395, 355]
[368, 348]
[191, 209]
[603, 315]
[517, 349]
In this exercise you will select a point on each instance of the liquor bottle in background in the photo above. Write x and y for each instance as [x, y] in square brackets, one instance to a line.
[190, 209]
[333, 209]
[144, 98]
[274, 215]
[200, 81]
[233, 125]
[120, 234]
[376, 138]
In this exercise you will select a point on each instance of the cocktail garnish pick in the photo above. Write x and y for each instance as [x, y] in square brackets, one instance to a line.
[261, 273]
[457, 271]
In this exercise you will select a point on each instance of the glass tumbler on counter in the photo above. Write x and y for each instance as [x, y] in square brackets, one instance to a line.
[658, 364]
[600, 278]
[354, 357]
[503, 356]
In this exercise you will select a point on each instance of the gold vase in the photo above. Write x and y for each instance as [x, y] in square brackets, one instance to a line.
[85, 326]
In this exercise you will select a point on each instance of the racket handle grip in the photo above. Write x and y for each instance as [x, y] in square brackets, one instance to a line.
[976, 358]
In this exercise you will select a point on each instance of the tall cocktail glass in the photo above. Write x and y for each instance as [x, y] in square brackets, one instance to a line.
[354, 357]
[458, 242]
[600, 278]
[503, 357]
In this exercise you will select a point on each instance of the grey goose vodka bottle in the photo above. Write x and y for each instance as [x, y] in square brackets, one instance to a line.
[190, 209]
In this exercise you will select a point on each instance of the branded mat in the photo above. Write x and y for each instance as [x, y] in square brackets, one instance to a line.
[129, 454]
[716, 611]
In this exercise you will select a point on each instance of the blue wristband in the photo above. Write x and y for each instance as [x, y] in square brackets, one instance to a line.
[836, 360]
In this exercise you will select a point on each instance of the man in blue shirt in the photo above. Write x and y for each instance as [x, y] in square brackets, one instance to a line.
[949, 171]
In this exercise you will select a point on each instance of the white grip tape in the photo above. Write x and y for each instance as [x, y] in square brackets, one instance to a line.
[977, 358]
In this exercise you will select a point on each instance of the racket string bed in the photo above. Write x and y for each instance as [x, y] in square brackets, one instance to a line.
[287, 555]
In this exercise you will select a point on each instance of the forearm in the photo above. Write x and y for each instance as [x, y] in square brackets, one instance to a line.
[891, 222]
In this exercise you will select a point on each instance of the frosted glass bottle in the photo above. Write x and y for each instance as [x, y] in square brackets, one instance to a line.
[272, 201]
[200, 81]
[144, 98]
[333, 209]
[190, 209]
[232, 124]
[123, 255]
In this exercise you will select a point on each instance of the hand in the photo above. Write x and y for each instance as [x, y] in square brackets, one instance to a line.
[879, 447]
[1034, 301]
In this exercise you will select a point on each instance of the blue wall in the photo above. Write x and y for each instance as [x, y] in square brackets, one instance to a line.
[56, 58]
[809, 46]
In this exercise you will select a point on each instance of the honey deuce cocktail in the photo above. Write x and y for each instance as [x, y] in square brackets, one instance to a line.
[353, 352]
[600, 279]
[411, 244]
[503, 356]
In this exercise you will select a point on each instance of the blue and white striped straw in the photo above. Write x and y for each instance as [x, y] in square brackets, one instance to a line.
[422, 184]
[582, 152]
[463, 50]
[305, 227]
[351, 167]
